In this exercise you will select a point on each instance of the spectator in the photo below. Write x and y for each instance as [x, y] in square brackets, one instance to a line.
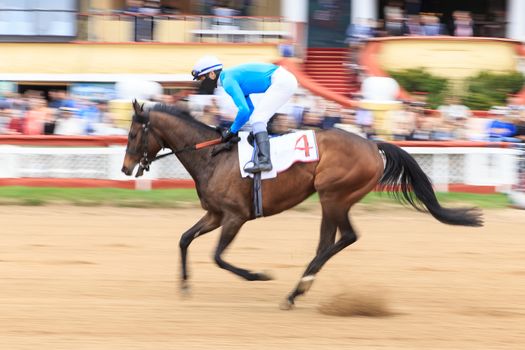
[224, 14]
[279, 124]
[413, 25]
[210, 115]
[89, 113]
[319, 105]
[453, 110]
[312, 120]
[458, 127]
[365, 120]
[422, 130]
[402, 122]
[360, 31]
[331, 117]
[442, 129]
[463, 25]
[49, 121]
[68, 123]
[134, 6]
[244, 7]
[357, 34]
[150, 7]
[431, 25]
[394, 19]
[505, 127]
[422, 124]
[296, 111]
[35, 117]
[58, 98]
[16, 122]
[5, 119]
[171, 8]
[348, 123]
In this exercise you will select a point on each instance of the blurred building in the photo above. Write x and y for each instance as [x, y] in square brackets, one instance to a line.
[89, 45]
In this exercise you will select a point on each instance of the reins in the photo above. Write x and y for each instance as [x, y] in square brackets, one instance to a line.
[195, 147]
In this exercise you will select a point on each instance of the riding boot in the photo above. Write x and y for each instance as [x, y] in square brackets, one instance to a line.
[263, 154]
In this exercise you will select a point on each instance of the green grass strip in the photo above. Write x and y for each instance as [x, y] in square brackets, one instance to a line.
[177, 198]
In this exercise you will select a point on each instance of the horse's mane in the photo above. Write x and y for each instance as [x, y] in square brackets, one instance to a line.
[182, 113]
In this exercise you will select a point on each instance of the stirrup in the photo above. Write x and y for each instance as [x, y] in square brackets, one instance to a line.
[257, 168]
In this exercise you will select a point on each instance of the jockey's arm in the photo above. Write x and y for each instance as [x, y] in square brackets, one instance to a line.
[243, 104]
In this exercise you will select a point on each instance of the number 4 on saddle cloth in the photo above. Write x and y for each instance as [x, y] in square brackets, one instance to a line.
[285, 150]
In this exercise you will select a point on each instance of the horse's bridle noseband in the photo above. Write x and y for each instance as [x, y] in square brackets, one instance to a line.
[144, 161]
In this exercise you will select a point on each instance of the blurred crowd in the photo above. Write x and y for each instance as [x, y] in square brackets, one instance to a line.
[405, 18]
[206, 7]
[411, 122]
[453, 121]
[31, 113]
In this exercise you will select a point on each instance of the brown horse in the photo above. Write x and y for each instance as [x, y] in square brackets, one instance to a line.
[349, 167]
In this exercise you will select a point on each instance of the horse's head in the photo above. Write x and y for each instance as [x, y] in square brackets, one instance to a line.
[143, 142]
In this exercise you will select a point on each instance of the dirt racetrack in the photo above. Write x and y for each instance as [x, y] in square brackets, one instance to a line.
[107, 278]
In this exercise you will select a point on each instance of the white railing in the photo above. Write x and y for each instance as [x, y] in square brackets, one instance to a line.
[477, 166]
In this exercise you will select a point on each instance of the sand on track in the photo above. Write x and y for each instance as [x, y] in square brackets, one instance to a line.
[107, 278]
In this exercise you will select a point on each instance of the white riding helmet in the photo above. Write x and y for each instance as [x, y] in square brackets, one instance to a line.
[205, 65]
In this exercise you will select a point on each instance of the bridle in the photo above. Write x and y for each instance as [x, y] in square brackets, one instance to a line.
[145, 162]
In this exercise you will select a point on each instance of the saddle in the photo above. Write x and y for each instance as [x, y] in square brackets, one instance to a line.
[286, 150]
[287, 147]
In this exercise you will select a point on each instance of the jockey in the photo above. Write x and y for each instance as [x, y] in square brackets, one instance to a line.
[277, 84]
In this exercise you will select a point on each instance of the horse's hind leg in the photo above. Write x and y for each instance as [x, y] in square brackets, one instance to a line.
[230, 228]
[207, 223]
[348, 236]
[327, 236]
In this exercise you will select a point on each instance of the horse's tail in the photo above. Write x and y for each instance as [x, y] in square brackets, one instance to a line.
[406, 181]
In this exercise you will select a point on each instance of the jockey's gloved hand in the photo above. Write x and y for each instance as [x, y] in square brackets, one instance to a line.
[227, 135]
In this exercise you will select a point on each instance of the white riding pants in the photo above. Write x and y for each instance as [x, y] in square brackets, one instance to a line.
[284, 85]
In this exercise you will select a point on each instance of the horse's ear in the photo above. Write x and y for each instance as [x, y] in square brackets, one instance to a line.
[136, 107]
[142, 107]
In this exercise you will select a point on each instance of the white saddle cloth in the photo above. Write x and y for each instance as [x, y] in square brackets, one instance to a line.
[287, 149]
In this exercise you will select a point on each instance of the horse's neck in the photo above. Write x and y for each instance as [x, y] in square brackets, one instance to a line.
[178, 134]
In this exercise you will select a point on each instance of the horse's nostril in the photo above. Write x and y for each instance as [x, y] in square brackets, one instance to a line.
[124, 170]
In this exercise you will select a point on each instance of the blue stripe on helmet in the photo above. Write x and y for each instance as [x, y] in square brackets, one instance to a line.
[214, 66]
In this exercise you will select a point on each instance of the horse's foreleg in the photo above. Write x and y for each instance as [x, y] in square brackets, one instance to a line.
[230, 228]
[348, 236]
[207, 223]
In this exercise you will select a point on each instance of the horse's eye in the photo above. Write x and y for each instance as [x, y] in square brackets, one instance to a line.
[132, 136]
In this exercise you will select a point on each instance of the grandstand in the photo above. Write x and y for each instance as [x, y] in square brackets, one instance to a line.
[92, 49]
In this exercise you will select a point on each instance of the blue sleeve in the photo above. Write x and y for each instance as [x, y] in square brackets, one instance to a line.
[244, 105]
[250, 104]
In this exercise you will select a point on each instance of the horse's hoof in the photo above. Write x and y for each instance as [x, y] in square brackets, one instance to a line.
[286, 304]
[264, 276]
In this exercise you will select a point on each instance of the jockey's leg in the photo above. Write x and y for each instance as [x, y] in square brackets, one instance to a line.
[263, 151]
[284, 85]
